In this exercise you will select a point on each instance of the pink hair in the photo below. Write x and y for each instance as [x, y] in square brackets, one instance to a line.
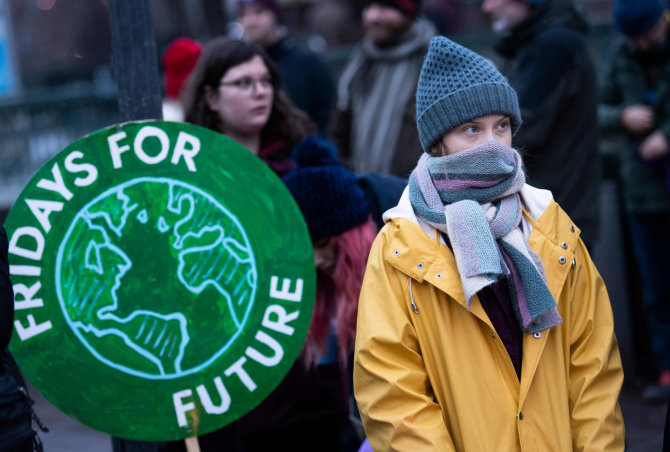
[338, 295]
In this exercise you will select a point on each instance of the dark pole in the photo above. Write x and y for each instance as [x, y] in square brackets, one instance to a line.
[136, 71]
[134, 60]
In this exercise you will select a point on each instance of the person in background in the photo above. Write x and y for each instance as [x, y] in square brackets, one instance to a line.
[305, 77]
[310, 408]
[235, 89]
[179, 59]
[6, 295]
[373, 124]
[483, 324]
[16, 413]
[635, 99]
[550, 68]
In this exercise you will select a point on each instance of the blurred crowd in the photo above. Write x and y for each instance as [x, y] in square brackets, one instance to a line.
[366, 112]
[346, 143]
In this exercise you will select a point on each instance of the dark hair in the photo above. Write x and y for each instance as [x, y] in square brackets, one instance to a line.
[218, 56]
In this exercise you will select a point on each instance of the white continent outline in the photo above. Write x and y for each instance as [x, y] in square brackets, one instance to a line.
[93, 262]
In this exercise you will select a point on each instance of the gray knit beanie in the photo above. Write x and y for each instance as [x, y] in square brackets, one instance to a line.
[457, 85]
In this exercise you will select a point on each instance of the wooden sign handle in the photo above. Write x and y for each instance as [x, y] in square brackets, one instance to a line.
[192, 444]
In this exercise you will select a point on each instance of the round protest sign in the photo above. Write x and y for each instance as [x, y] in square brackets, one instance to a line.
[164, 280]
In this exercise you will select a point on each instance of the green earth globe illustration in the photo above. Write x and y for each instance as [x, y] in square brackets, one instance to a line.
[170, 249]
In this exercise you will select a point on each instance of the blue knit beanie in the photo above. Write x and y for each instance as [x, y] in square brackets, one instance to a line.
[328, 195]
[636, 17]
[457, 85]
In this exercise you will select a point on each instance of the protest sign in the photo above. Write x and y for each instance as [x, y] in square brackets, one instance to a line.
[164, 280]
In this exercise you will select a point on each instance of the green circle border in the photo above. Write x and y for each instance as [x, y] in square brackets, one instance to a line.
[142, 409]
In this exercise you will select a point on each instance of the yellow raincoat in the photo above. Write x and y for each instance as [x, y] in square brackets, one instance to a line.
[431, 375]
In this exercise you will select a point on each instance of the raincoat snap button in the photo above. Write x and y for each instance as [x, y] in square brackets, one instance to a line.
[562, 260]
[419, 265]
[439, 275]
[574, 262]
[537, 335]
[520, 416]
[396, 252]
[493, 335]
[564, 245]
[572, 227]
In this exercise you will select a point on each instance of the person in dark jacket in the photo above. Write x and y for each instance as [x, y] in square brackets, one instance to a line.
[305, 76]
[635, 99]
[6, 294]
[550, 68]
[16, 414]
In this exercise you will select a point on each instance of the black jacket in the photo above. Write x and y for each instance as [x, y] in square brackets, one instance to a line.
[554, 76]
[306, 79]
[6, 294]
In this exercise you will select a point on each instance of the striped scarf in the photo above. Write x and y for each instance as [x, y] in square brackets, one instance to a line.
[378, 86]
[473, 197]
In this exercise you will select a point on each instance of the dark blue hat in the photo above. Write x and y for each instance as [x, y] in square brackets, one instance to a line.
[636, 17]
[328, 195]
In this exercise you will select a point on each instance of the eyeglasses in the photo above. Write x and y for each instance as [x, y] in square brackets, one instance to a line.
[247, 85]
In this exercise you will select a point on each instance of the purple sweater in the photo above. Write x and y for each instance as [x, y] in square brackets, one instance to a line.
[496, 301]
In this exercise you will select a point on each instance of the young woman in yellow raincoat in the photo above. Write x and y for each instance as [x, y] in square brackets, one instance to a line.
[483, 324]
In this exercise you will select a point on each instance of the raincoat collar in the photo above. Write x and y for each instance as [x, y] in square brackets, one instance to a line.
[416, 248]
[535, 202]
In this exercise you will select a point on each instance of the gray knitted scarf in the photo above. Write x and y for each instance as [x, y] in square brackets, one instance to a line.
[473, 197]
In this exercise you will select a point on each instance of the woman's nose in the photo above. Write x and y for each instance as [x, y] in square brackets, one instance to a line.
[318, 258]
[489, 135]
[261, 89]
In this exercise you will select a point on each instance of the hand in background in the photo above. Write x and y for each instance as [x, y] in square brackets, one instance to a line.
[654, 147]
[637, 118]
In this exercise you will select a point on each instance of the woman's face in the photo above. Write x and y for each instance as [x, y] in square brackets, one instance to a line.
[325, 257]
[243, 99]
[478, 131]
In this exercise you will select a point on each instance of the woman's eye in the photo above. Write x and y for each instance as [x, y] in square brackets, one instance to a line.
[503, 125]
[322, 243]
[470, 129]
[245, 83]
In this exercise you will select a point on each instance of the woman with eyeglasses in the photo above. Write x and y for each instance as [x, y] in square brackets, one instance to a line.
[235, 89]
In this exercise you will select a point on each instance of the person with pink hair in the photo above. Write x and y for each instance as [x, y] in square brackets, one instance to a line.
[311, 407]
[338, 217]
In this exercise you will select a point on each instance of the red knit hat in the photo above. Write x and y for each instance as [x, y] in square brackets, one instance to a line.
[178, 61]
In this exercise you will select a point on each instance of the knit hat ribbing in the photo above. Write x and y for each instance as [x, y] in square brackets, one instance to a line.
[636, 17]
[457, 85]
[328, 195]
